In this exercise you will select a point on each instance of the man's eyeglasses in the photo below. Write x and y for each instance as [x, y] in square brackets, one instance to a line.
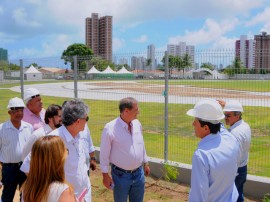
[32, 97]
[228, 115]
[86, 119]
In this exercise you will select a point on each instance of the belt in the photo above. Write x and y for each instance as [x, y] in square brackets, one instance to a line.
[12, 164]
[125, 171]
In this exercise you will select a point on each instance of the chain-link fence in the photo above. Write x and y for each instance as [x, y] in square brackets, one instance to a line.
[207, 74]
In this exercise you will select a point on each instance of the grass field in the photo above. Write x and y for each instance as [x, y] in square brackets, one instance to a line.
[182, 142]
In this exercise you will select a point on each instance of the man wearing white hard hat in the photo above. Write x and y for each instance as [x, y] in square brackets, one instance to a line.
[214, 163]
[240, 129]
[33, 113]
[13, 136]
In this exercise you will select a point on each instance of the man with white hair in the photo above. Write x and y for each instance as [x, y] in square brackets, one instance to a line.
[214, 163]
[33, 113]
[240, 129]
[13, 136]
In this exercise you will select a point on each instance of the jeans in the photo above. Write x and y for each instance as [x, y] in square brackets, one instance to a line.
[239, 182]
[128, 185]
[11, 178]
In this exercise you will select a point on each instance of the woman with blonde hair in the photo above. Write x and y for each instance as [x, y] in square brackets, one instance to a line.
[46, 178]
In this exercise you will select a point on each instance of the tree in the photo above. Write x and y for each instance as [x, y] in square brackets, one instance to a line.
[101, 64]
[80, 50]
[186, 61]
[207, 66]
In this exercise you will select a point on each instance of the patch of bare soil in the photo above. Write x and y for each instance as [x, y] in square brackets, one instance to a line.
[179, 90]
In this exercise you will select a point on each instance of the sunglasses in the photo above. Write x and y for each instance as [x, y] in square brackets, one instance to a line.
[32, 97]
[228, 115]
[16, 109]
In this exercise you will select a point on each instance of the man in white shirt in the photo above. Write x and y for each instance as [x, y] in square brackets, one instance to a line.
[74, 118]
[214, 163]
[240, 129]
[122, 147]
[13, 136]
[53, 120]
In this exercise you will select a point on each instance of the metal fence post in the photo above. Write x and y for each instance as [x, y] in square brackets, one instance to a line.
[75, 76]
[22, 78]
[166, 107]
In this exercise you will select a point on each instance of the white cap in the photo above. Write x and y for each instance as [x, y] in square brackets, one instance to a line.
[15, 102]
[208, 110]
[233, 106]
[28, 93]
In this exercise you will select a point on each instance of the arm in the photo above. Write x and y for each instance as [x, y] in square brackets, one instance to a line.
[199, 180]
[67, 196]
[91, 150]
[105, 149]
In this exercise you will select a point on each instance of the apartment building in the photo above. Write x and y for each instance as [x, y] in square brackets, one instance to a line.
[245, 51]
[262, 54]
[98, 35]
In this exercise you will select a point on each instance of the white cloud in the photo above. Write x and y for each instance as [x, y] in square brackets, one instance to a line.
[141, 39]
[262, 17]
[1, 10]
[118, 43]
[211, 32]
[21, 17]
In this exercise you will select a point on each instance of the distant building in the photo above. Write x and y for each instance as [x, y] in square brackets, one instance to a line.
[151, 57]
[245, 51]
[98, 35]
[137, 63]
[3, 54]
[181, 49]
[262, 55]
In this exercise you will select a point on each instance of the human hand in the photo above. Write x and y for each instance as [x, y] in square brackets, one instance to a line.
[222, 103]
[146, 169]
[93, 164]
[107, 180]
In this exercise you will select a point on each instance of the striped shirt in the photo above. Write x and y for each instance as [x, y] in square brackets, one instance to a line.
[12, 141]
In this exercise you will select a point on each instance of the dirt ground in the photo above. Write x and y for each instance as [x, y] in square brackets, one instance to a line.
[155, 190]
[178, 90]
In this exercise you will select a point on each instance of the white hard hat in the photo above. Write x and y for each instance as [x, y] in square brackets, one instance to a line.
[28, 93]
[208, 110]
[233, 106]
[15, 102]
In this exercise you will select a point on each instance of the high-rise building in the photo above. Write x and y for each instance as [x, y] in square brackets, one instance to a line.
[262, 54]
[98, 35]
[245, 51]
[3, 54]
[137, 63]
[181, 49]
[151, 57]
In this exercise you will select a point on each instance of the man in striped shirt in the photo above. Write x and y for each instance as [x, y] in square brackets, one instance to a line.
[13, 136]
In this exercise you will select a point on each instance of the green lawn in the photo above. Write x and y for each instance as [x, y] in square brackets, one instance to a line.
[182, 142]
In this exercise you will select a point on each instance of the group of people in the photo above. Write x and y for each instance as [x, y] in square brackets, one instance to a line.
[49, 153]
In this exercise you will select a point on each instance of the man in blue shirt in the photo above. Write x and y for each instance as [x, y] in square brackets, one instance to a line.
[214, 163]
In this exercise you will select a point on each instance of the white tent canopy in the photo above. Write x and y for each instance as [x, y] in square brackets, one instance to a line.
[93, 70]
[32, 70]
[108, 70]
[123, 70]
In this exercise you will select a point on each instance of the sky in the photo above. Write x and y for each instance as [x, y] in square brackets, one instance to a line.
[44, 28]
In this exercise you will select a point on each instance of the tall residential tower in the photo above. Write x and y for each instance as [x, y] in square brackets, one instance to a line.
[98, 35]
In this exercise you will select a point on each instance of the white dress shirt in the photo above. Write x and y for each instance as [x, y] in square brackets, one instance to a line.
[12, 141]
[120, 147]
[242, 132]
[75, 165]
[214, 167]
[46, 129]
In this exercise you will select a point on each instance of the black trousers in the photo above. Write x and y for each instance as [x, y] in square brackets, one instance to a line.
[12, 176]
